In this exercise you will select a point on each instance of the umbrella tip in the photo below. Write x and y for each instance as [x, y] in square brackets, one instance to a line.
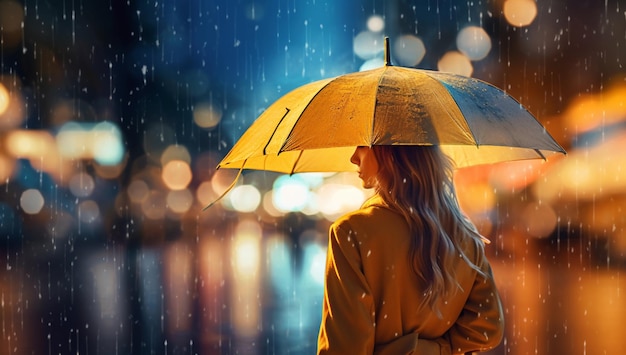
[387, 52]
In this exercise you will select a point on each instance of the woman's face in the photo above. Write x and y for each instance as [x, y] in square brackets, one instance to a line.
[364, 158]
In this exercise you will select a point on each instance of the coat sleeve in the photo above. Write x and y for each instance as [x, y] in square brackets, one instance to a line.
[348, 310]
[480, 325]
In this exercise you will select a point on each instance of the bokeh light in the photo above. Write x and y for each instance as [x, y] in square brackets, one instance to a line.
[11, 20]
[7, 168]
[4, 99]
[372, 64]
[245, 198]
[318, 264]
[101, 142]
[30, 144]
[40, 149]
[455, 62]
[154, 205]
[248, 234]
[14, 111]
[175, 152]
[268, 205]
[82, 184]
[31, 201]
[474, 42]
[334, 200]
[88, 211]
[368, 45]
[587, 112]
[477, 198]
[176, 174]
[206, 115]
[246, 260]
[520, 13]
[138, 191]
[291, 193]
[409, 50]
[205, 194]
[375, 23]
[179, 201]
[107, 144]
[540, 219]
[223, 178]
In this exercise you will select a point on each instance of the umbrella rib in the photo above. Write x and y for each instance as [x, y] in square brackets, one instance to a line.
[300, 115]
[540, 154]
[380, 80]
[275, 129]
[293, 169]
[228, 188]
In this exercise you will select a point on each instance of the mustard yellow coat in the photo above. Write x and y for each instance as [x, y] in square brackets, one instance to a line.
[371, 295]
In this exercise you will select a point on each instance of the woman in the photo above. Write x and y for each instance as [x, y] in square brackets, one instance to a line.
[407, 273]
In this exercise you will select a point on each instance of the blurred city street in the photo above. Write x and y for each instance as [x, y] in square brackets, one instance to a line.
[114, 115]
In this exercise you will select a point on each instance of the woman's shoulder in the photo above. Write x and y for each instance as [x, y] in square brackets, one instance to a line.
[373, 212]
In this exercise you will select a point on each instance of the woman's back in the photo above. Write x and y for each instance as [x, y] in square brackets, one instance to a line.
[369, 256]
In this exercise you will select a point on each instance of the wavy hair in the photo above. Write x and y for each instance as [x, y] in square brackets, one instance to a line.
[417, 181]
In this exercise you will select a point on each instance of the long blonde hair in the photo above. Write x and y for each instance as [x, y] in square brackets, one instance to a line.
[417, 181]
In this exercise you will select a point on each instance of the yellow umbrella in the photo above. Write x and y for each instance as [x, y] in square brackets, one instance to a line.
[316, 127]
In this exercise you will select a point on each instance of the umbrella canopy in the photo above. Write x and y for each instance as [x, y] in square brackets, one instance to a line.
[316, 127]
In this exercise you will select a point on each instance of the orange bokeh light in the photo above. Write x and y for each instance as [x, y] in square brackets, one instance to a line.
[176, 175]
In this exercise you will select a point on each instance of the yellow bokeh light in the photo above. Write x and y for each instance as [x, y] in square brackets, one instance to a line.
[30, 144]
[246, 262]
[206, 115]
[245, 198]
[268, 205]
[540, 219]
[153, 207]
[138, 191]
[40, 148]
[176, 175]
[12, 105]
[179, 201]
[590, 111]
[205, 194]
[7, 167]
[455, 62]
[222, 179]
[4, 99]
[175, 152]
[476, 198]
[520, 13]
[334, 200]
